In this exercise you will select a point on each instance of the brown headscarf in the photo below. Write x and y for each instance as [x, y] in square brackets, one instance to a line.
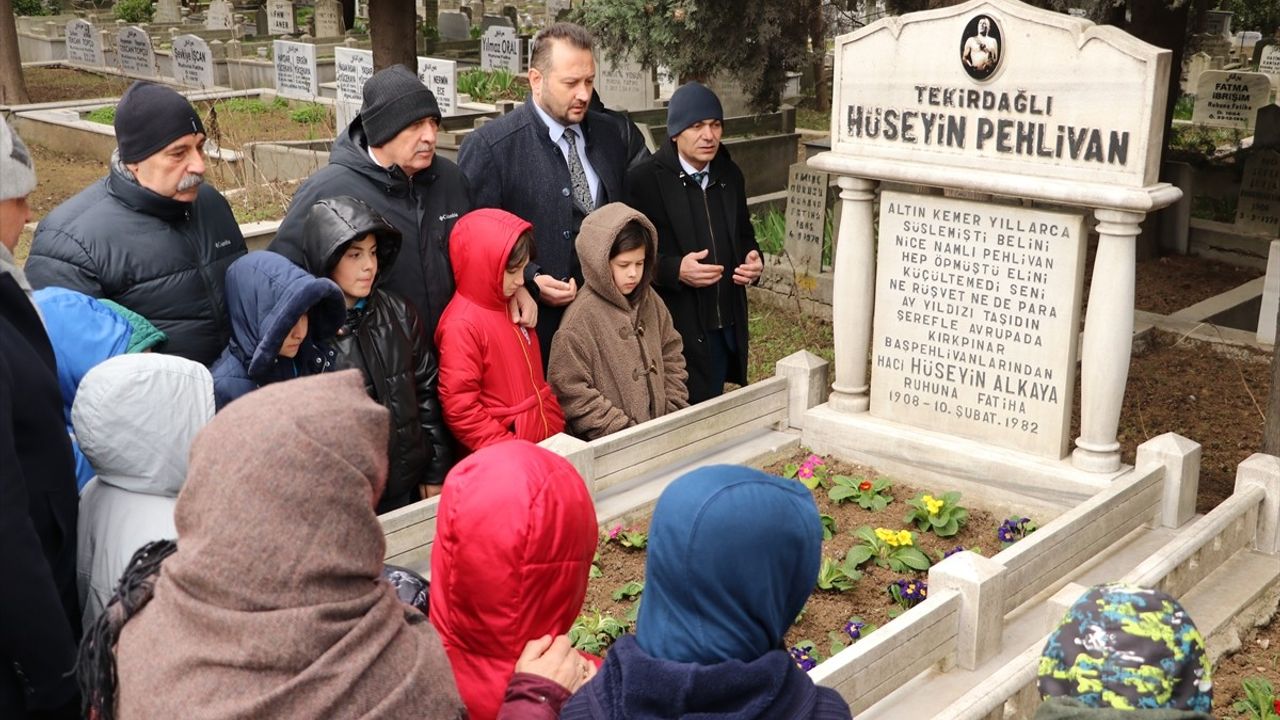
[272, 606]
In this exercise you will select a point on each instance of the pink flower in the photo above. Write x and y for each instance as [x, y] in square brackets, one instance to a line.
[615, 532]
[805, 472]
[813, 461]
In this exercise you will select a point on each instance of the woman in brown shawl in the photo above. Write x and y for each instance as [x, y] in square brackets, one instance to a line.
[271, 607]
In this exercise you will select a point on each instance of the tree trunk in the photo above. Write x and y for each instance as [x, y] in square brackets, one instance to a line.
[348, 14]
[13, 86]
[393, 27]
[818, 41]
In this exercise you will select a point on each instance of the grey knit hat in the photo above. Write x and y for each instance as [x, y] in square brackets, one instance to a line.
[17, 169]
[394, 99]
[692, 103]
[149, 117]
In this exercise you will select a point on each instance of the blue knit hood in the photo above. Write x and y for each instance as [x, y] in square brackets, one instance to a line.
[733, 555]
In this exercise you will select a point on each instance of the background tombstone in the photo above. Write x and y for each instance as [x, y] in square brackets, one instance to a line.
[1196, 65]
[192, 61]
[467, 13]
[218, 16]
[83, 46]
[513, 14]
[477, 10]
[441, 77]
[489, 21]
[500, 49]
[352, 67]
[1230, 99]
[1258, 209]
[554, 8]
[667, 82]
[167, 11]
[1217, 22]
[134, 53]
[280, 19]
[328, 19]
[1269, 64]
[295, 65]
[1266, 132]
[806, 218]
[454, 26]
[624, 85]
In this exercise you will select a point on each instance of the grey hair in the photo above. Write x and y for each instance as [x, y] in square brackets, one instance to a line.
[576, 35]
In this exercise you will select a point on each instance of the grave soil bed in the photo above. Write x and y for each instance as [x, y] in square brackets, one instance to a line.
[232, 122]
[1259, 656]
[1164, 285]
[826, 612]
[56, 84]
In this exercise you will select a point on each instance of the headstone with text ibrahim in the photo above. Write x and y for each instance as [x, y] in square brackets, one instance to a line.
[1258, 209]
[500, 49]
[295, 65]
[806, 217]
[134, 53]
[280, 20]
[441, 77]
[1230, 99]
[82, 44]
[352, 67]
[192, 61]
[219, 15]
[328, 19]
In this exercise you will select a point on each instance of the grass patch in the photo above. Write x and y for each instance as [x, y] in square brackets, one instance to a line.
[489, 86]
[777, 333]
[1182, 110]
[771, 233]
[1221, 209]
[103, 116]
[1203, 140]
[309, 114]
[812, 119]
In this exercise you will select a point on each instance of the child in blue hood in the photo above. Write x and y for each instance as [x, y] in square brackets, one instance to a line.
[733, 555]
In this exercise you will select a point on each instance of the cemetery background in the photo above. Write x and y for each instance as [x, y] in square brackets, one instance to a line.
[1177, 382]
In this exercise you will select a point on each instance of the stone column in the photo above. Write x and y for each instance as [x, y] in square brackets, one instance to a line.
[854, 294]
[1108, 341]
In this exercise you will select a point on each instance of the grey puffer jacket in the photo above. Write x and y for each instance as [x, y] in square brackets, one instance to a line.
[159, 257]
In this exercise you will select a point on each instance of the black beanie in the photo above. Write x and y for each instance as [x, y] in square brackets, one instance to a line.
[149, 117]
[692, 103]
[394, 99]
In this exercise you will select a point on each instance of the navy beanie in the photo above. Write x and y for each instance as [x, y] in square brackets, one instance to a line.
[692, 103]
[149, 117]
[394, 99]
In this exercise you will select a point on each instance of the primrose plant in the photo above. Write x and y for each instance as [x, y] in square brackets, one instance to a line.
[907, 594]
[594, 631]
[943, 516]
[1014, 529]
[838, 576]
[894, 549]
[812, 472]
[627, 538]
[873, 495]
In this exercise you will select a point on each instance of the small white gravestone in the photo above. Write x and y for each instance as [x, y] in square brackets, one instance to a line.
[167, 11]
[328, 19]
[295, 64]
[192, 61]
[1270, 297]
[352, 68]
[1196, 66]
[1269, 64]
[667, 82]
[1230, 99]
[82, 44]
[441, 77]
[134, 53]
[500, 49]
[219, 15]
[624, 85]
[454, 25]
[362, 9]
[976, 317]
[806, 217]
[1258, 209]
[280, 20]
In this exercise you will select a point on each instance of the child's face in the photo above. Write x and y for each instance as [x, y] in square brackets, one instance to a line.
[513, 280]
[294, 339]
[356, 268]
[628, 269]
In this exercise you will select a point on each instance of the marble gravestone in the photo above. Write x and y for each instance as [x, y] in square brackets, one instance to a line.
[554, 8]
[624, 85]
[806, 218]
[511, 13]
[83, 47]
[668, 83]
[134, 54]
[1230, 99]
[1258, 208]
[454, 26]
[500, 49]
[1266, 131]
[1269, 64]
[167, 12]
[280, 19]
[1196, 65]
[441, 77]
[295, 66]
[489, 21]
[192, 61]
[219, 15]
[328, 19]
[352, 67]
[1270, 297]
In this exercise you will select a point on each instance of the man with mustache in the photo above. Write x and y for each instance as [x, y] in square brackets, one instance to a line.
[550, 161]
[696, 197]
[151, 235]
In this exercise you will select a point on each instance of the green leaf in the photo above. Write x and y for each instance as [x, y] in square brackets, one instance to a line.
[850, 569]
[879, 503]
[951, 527]
[858, 555]
[595, 571]
[913, 558]
[840, 493]
[811, 483]
[790, 470]
[628, 591]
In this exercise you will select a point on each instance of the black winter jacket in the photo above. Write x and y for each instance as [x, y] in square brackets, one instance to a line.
[159, 257]
[423, 208]
[669, 198]
[386, 341]
[38, 504]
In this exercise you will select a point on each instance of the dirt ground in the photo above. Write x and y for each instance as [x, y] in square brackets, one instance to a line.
[1259, 657]
[55, 84]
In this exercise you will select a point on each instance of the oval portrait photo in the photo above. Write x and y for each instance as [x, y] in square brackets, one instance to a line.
[981, 47]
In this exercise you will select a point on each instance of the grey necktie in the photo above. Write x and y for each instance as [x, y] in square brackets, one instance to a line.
[578, 176]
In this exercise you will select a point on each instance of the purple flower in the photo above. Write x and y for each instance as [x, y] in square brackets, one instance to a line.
[909, 593]
[953, 551]
[853, 629]
[803, 659]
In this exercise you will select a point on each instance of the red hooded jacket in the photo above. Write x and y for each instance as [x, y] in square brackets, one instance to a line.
[492, 386]
[515, 535]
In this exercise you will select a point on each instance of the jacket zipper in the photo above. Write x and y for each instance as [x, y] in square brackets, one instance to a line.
[715, 258]
[537, 394]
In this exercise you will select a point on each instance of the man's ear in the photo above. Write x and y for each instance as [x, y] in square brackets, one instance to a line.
[535, 79]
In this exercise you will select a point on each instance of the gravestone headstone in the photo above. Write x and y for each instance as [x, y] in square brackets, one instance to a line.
[500, 49]
[352, 67]
[1196, 65]
[511, 13]
[1245, 40]
[1258, 209]
[454, 26]
[1266, 130]
[134, 53]
[1269, 64]
[1217, 22]
[477, 10]
[192, 61]
[280, 17]
[295, 65]
[625, 85]
[1230, 99]
[469, 15]
[667, 82]
[83, 47]
[489, 21]
[554, 8]
[167, 11]
[806, 217]
[362, 9]
[1270, 297]
[219, 15]
[328, 19]
[441, 77]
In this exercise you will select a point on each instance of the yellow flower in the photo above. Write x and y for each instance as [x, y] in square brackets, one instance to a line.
[932, 504]
[888, 537]
[904, 538]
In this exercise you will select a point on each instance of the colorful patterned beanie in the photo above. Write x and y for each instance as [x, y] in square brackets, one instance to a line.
[1127, 648]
